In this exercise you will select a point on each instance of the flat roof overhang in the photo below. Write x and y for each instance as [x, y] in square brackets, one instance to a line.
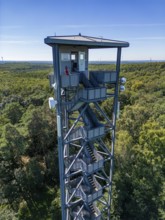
[80, 40]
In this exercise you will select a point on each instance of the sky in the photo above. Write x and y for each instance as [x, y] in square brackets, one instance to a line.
[25, 23]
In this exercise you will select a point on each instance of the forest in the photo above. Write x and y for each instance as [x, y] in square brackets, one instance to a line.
[29, 178]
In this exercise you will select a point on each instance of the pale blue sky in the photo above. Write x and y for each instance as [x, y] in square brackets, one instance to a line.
[25, 23]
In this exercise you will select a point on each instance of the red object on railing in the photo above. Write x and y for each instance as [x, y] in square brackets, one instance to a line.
[66, 70]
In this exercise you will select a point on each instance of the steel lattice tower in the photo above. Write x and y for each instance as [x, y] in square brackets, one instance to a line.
[85, 162]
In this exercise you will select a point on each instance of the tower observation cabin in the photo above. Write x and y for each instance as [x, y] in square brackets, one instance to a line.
[85, 161]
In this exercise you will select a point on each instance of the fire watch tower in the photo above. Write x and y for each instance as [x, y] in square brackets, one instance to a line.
[85, 162]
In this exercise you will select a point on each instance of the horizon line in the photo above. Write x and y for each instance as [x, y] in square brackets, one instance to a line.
[98, 61]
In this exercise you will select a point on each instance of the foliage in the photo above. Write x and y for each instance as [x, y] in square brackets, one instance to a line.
[29, 178]
[28, 168]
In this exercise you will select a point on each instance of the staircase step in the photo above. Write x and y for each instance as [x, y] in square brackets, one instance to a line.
[91, 153]
[92, 208]
[90, 179]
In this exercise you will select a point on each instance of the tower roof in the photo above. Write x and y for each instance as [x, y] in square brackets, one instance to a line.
[81, 40]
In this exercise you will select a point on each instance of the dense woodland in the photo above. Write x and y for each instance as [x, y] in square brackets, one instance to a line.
[29, 183]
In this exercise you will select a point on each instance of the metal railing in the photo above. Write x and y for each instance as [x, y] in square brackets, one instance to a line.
[86, 165]
[84, 214]
[86, 95]
[86, 134]
[104, 76]
[70, 80]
